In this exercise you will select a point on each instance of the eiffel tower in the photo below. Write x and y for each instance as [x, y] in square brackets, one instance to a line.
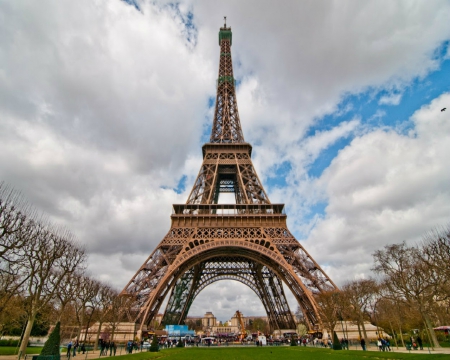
[247, 241]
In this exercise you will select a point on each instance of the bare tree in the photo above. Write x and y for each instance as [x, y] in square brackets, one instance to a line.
[330, 307]
[17, 222]
[119, 304]
[436, 255]
[11, 315]
[13, 216]
[407, 277]
[103, 301]
[395, 314]
[85, 303]
[360, 296]
[50, 256]
[68, 287]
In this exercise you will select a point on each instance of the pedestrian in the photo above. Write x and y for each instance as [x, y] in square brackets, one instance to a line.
[83, 348]
[69, 348]
[388, 344]
[419, 342]
[75, 346]
[363, 344]
[379, 344]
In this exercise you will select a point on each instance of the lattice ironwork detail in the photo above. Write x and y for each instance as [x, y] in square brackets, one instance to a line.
[247, 241]
[228, 167]
[226, 125]
[263, 281]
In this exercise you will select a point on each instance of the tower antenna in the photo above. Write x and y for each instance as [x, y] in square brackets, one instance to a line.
[225, 20]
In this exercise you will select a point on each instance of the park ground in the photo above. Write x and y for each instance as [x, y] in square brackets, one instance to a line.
[263, 353]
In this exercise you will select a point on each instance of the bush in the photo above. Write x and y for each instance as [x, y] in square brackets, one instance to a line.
[154, 347]
[180, 343]
[336, 343]
[293, 342]
[51, 346]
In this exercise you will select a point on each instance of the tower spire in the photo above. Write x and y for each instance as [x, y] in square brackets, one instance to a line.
[226, 125]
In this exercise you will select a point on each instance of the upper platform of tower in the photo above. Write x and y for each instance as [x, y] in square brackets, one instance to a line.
[226, 127]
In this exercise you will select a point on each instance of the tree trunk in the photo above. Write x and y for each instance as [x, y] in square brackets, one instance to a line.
[100, 323]
[113, 331]
[366, 339]
[393, 334]
[87, 326]
[26, 335]
[430, 330]
[359, 330]
[401, 334]
[79, 334]
[71, 334]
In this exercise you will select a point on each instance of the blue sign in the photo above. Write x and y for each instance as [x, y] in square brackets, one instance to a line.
[179, 330]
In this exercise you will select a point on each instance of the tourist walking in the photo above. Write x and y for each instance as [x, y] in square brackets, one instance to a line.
[69, 348]
[419, 342]
[363, 344]
[102, 347]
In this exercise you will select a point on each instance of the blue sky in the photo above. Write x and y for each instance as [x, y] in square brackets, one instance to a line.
[104, 107]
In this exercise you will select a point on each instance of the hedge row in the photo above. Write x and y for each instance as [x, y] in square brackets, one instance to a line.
[9, 342]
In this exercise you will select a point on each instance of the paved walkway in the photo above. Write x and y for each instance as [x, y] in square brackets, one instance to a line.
[403, 350]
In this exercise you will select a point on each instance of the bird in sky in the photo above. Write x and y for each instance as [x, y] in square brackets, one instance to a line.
[443, 109]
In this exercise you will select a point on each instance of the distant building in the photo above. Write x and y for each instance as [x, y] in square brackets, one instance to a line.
[349, 330]
[120, 333]
[212, 327]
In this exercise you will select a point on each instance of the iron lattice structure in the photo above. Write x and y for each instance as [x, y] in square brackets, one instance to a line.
[247, 241]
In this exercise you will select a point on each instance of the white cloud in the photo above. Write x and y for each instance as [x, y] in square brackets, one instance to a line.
[391, 99]
[384, 188]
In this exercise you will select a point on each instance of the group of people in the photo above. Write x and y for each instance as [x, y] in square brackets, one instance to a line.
[417, 343]
[72, 348]
[344, 344]
[383, 344]
[130, 346]
[106, 346]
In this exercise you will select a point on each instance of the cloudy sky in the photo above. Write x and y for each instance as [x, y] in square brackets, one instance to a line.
[104, 106]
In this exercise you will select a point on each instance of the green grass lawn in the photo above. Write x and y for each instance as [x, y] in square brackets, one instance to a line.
[12, 350]
[276, 353]
[264, 353]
